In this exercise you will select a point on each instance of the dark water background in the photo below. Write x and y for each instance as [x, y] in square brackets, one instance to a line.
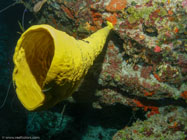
[12, 116]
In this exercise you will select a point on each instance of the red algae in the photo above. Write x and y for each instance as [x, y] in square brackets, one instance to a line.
[67, 11]
[97, 19]
[112, 18]
[154, 109]
[146, 93]
[146, 71]
[116, 5]
[157, 77]
[157, 49]
[184, 94]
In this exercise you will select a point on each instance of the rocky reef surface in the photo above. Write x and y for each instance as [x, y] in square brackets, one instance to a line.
[144, 62]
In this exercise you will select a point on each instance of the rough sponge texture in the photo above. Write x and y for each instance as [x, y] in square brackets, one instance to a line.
[49, 64]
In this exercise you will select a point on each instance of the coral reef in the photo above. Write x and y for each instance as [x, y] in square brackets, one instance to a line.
[171, 127]
[144, 64]
[153, 40]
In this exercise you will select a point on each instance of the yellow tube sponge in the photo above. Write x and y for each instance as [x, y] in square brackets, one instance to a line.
[49, 64]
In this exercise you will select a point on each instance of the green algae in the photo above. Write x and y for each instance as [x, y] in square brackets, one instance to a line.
[137, 14]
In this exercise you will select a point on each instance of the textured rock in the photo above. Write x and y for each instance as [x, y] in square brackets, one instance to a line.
[166, 126]
[152, 41]
[144, 63]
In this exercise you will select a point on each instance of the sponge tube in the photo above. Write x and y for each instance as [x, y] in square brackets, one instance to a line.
[49, 64]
